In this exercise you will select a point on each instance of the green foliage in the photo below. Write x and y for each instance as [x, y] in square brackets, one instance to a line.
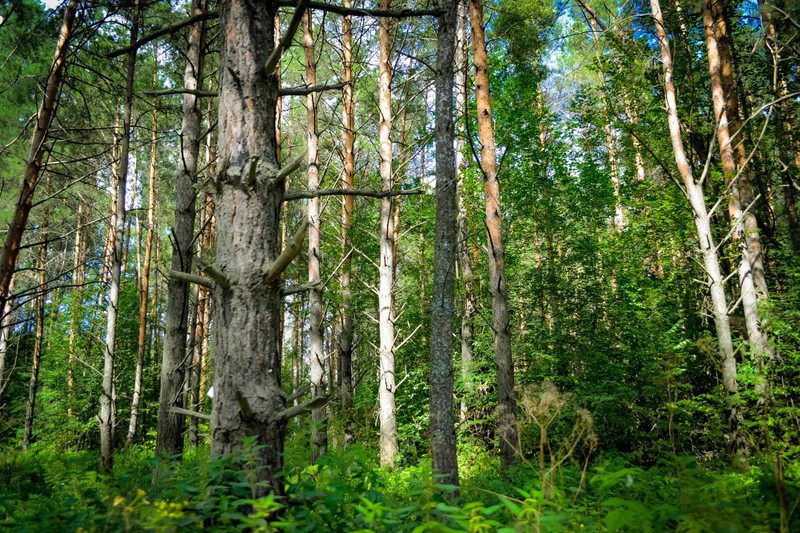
[50, 490]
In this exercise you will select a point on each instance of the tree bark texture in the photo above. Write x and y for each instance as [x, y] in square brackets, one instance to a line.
[694, 192]
[506, 403]
[169, 439]
[247, 366]
[442, 424]
[319, 433]
[107, 396]
[33, 164]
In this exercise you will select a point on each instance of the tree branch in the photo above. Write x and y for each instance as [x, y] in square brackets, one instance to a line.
[356, 12]
[348, 192]
[164, 31]
[291, 412]
[195, 92]
[286, 40]
[191, 278]
[287, 256]
[187, 412]
[308, 89]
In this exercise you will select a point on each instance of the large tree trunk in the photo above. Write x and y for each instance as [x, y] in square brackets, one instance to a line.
[107, 397]
[345, 338]
[705, 237]
[386, 376]
[33, 164]
[144, 287]
[734, 158]
[169, 440]
[248, 397]
[506, 403]
[443, 435]
[38, 342]
[319, 433]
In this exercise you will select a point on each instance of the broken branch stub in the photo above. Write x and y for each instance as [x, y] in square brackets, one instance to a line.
[287, 256]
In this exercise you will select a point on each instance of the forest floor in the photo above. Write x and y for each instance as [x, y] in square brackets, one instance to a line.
[55, 490]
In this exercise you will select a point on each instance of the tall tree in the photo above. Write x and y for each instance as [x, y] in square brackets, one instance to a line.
[386, 381]
[442, 424]
[319, 433]
[246, 295]
[144, 285]
[38, 343]
[33, 164]
[344, 341]
[694, 193]
[506, 403]
[468, 308]
[107, 397]
[169, 439]
[730, 136]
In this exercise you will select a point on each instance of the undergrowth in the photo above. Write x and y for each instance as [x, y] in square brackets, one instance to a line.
[54, 490]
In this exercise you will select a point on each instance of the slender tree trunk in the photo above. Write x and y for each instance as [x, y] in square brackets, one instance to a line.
[201, 323]
[708, 248]
[33, 164]
[442, 428]
[38, 342]
[386, 376]
[208, 239]
[144, 290]
[319, 433]
[76, 305]
[5, 331]
[107, 397]
[464, 261]
[248, 398]
[506, 403]
[752, 281]
[345, 338]
[169, 440]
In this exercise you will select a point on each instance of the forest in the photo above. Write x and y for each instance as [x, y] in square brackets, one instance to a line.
[400, 265]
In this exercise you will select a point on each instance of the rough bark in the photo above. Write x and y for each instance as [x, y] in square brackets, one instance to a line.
[696, 198]
[442, 424]
[247, 368]
[38, 343]
[506, 403]
[144, 286]
[33, 164]
[344, 341]
[752, 281]
[386, 376]
[319, 433]
[108, 394]
[169, 439]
